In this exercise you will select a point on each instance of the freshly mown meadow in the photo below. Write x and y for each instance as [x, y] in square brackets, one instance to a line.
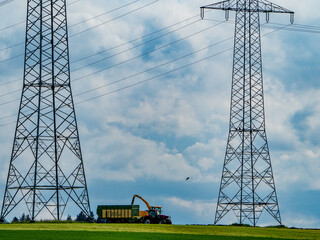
[88, 231]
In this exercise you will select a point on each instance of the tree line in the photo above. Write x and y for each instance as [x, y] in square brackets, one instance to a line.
[81, 217]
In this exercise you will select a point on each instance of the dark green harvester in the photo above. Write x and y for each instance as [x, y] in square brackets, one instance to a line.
[118, 213]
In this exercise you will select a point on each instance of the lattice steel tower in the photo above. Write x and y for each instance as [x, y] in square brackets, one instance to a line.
[247, 183]
[46, 167]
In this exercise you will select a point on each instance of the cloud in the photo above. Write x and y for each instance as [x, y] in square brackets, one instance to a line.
[201, 211]
[124, 157]
[301, 220]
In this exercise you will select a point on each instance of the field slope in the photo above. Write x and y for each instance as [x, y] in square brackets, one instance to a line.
[57, 231]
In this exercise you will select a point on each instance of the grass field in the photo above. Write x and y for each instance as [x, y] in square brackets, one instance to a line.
[86, 231]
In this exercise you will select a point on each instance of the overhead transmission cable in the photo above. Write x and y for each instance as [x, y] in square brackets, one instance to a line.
[137, 74]
[166, 73]
[146, 53]
[5, 2]
[130, 59]
[120, 16]
[152, 78]
[123, 44]
[21, 22]
[143, 43]
[21, 43]
[136, 39]
[102, 14]
[131, 85]
[24, 21]
[293, 27]
[1, 84]
[76, 79]
[18, 44]
[155, 67]
[87, 29]
[149, 79]
[290, 28]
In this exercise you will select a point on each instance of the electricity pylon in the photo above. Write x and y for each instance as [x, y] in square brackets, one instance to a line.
[46, 167]
[247, 183]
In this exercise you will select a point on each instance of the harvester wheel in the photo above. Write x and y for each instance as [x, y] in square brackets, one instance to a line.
[147, 221]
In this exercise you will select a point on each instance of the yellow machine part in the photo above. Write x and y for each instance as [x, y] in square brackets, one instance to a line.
[143, 213]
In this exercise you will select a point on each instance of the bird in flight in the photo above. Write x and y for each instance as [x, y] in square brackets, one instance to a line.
[187, 178]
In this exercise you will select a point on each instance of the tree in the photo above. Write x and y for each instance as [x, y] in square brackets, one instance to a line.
[69, 218]
[3, 220]
[15, 220]
[81, 217]
[22, 218]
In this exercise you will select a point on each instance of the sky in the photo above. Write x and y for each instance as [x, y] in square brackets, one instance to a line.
[153, 108]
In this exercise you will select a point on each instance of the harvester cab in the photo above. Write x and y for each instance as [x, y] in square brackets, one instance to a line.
[157, 209]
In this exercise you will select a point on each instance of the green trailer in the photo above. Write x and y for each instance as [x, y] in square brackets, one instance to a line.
[119, 213]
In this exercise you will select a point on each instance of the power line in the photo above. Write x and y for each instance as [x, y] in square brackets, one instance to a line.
[21, 22]
[297, 29]
[21, 43]
[174, 70]
[299, 25]
[127, 49]
[5, 2]
[136, 57]
[120, 16]
[293, 27]
[73, 2]
[134, 40]
[102, 14]
[141, 44]
[76, 79]
[120, 45]
[109, 67]
[152, 78]
[128, 60]
[149, 79]
[145, 71]
[9, 93]
[153, 68]
[9, 116]
[10, 26]
[86, 30]
[138, 83]
[146, 53]
[11, 58]
[18, 44]
[10, 101]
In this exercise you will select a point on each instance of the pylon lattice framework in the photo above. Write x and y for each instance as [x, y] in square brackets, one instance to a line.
[46, 167]
[247, 183]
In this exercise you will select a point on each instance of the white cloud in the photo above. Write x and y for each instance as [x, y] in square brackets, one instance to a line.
[201, 210]
[120, 156]
[301, 220]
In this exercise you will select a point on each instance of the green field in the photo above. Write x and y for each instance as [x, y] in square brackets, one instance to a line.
[87, 231]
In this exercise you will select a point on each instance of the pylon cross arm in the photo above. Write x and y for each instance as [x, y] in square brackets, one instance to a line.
[263, 6]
